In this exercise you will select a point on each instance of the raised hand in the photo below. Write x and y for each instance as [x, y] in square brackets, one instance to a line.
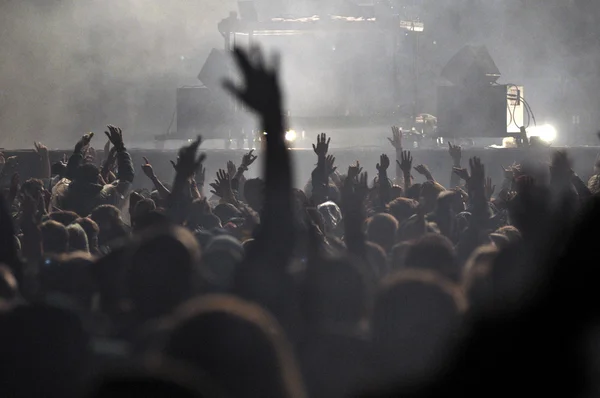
[222, 185]
[477, 179]
[187, 161]
[423, 170]
[384, 163]
[147, 169]
[354, 171]
[462, 173]
[201, 175]
[322, 146]
[329, 165]
[396, 139]
[41, 149]
[362, 187]
[405, 162]
[84, 141]
[261, 90]
[248, 159]
[115, 136]
[455, 152]
[489, 189]
[231, 168]
[508, 172]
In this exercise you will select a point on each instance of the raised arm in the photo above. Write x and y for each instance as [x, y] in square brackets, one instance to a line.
[455, 152]
[149, 172]
[42, 152]
[405, 165]
[396, 141]
[78, 154]
[385, 188]
[125, 173]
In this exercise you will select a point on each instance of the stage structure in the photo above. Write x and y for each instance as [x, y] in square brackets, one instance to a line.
[339, 72]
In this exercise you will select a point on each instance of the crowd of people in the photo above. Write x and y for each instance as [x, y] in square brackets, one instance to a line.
[351, 287]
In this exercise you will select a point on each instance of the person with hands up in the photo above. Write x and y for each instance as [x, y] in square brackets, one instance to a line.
[405, 165]
[384, 183]
[148, 171]
[86, 190]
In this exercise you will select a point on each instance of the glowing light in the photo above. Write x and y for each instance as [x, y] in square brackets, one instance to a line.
[545, 132]
[290, 136]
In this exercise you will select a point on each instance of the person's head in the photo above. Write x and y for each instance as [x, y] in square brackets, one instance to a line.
[402, 208]
[58, 169]
[254, 193]
[109, 220]
[476, 281]
[382, 229]
[338, 291]
[434, 252]
[77, 239]
[415, 315]
[55, 238]
[63, 217]
[107, 217]
[225, 212]
[91, 231]
[220, 258]
[512, 234]
[399, 251]
[377, 260]
[414, 192]
[237, 344]
[32, 187]
[151, 220]
[69, 276]
[87, 173]
[162, 271]
[429, 193]
[142, 208]
[332, 218]
[396, 192]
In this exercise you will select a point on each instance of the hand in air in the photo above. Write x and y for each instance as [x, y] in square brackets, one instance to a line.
[405, 162]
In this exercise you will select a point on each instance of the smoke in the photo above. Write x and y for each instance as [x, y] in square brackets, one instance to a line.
[70, 66]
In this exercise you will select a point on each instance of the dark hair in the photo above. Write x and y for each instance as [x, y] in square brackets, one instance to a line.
[416, 314]
[238, 344]
[32, 186]
[402, 208]
[163, 271]
[64, 217]
[87, 172]
[382, 229]
[338, 290]
[91, 230]
[434, 252]
[55, 238]
[77, 238]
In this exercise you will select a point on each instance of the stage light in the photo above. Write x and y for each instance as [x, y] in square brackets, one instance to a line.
[290, 136]
[545, 132]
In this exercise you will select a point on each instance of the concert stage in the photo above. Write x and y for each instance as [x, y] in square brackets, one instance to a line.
[437, 159]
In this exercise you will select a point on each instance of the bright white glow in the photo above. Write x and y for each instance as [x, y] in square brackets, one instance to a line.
[545, 132]
[290, 136]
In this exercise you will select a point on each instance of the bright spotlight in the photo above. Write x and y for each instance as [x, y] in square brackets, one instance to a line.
[290, 136]
[545, 132]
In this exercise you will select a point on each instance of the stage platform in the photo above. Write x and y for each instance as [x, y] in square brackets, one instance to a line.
[437, 159]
